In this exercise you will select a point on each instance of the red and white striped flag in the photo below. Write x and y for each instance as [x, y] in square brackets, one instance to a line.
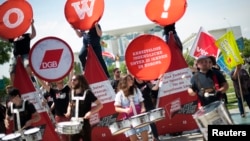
[204, 44]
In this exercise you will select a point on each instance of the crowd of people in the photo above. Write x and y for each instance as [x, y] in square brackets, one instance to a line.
[133, 96]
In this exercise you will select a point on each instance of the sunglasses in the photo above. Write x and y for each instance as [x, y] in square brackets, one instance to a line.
[118, 72]
[74, 79]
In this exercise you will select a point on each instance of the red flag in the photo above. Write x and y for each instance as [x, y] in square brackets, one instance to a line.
[173, 95]
[103, 90]
[93, 67]
[23, 82]
[204, 45]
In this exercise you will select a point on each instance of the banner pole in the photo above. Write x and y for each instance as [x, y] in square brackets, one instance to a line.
[241, 95]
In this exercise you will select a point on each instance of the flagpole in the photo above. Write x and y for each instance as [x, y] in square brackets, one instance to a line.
[241, 95]
[40, 98]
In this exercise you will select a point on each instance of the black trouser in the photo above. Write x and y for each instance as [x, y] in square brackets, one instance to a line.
[98, 52]
[85, 133]
[154, 130]
[2, 127]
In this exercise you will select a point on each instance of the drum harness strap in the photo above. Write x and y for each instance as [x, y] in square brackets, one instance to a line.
[17, 111]
[132, 104]
[77, 99]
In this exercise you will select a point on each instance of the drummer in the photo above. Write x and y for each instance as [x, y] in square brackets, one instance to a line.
[207, 84]
[60, 95]
[24, 112]
[83, 93]
[129, 101]
[147, 88]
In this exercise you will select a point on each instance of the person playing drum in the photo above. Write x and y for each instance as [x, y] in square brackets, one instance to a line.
[24, 111]
[60, 95]
[81, 89]
[206, 83]
[129, 101]
[147, 88]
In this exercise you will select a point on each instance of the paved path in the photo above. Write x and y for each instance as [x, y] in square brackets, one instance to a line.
[195, 135]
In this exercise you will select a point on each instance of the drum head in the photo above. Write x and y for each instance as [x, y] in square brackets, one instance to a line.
[31, 131]
[11, 136]
[208, 108]
[157, 109]
[1, 135]
[140, 115]
[68, 123]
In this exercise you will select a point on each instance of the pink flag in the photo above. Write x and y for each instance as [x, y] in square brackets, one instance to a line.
[108, 54]
[23, 82]
[204, 45]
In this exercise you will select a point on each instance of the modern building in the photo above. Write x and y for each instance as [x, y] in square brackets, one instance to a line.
[116, 41]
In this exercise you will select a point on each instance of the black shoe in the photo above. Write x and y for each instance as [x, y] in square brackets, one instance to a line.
[243, 115]
[33, 79]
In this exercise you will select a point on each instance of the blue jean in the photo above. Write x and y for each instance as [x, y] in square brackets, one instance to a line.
[83, 56]
[240, 104]
[25, 61]
[133, 131]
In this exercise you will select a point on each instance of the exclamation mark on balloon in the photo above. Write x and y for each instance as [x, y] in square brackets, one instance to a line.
[166, 5]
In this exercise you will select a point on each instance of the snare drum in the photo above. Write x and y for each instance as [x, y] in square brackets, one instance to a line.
[140, 120]
[12, 137]
[156, 114]
[212, 114]
[119, 127]
[33, 134]
[68, 127]
[1, 136]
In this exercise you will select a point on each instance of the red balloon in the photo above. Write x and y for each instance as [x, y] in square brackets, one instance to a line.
[147, 57]
[165, 12]
[15, 18]
[82, 15]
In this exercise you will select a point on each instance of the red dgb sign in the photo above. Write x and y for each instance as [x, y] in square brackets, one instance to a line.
[51, 58]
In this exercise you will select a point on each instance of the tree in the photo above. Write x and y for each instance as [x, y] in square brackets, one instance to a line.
[5, 51]
[5, 54]
[246, 50]
[3, 94]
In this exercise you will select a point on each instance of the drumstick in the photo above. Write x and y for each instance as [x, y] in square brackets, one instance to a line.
[206, 94]
[21, 130]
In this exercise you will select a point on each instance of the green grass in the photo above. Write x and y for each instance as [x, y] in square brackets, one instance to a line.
[231, 98]
[232, 101]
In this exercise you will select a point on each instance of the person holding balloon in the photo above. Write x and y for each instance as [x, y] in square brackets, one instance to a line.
[171, 28]
[91, 38]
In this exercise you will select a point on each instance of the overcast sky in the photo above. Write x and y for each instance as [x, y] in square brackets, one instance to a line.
[211, 14]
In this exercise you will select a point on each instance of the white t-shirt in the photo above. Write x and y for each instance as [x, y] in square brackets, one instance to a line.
[123, 101]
